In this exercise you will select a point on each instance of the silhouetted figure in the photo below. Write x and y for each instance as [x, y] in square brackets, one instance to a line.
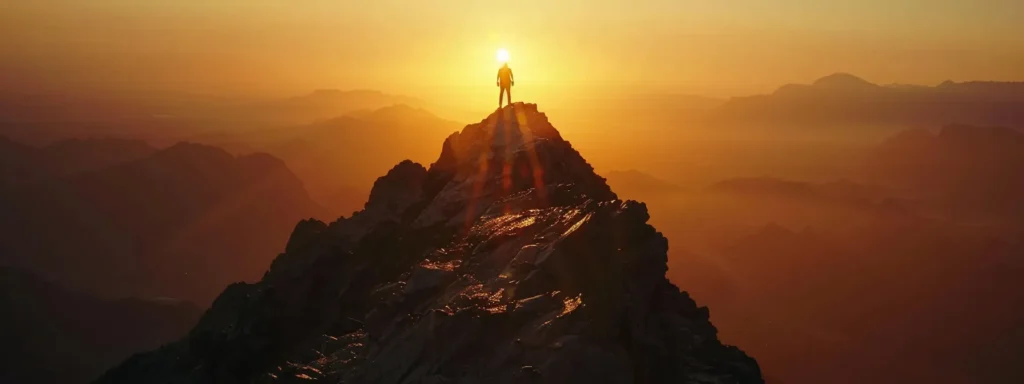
[505, 81]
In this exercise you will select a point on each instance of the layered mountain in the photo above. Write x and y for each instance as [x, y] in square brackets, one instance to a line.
[633, 184]
[181, 222]
[21, 163]
[893, 300]
[961, 169]
[323, 104]
[168, 117]
[508, 260]
[842, 192]
[54, 335]
[844, 98]
[339, 158]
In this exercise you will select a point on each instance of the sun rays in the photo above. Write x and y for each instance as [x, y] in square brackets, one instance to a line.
[512, 135]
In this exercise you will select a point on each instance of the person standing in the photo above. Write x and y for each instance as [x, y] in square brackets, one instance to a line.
[505, 83]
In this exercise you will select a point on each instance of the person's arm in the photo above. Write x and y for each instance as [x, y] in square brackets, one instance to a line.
[497, 81]
[510, 77]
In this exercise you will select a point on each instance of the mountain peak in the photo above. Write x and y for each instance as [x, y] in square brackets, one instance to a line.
[329, 92]
[843, 80]
[507, 129]
[201, 155]
[508, 260]
[514, 150]
[397, 113]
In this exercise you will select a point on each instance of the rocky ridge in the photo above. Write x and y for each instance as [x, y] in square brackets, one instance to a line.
[508, 260]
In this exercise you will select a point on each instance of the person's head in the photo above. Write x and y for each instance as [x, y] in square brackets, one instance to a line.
[505, 65]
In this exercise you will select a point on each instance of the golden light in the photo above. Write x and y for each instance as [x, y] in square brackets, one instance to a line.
[502, 55]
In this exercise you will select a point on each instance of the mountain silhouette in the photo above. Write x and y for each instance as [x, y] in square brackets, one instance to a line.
[54, 335]
[908, 276]
[960, 168]
[636, 184]
[21, 163]
[845, 98]
[323, 104]
[167, 117]
[837, 191]
[506, 260]
[73, 156]
[339, 157]
[181, 222]
[815, 301]
[844, 81]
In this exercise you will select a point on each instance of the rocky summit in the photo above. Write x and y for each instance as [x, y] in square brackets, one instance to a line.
[508, 260]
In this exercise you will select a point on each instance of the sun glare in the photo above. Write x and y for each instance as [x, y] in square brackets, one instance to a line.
[502, 55]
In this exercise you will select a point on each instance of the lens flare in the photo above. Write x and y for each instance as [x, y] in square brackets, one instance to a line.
[502, 55]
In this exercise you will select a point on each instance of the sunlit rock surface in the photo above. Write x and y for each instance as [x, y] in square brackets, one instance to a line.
[514, 263]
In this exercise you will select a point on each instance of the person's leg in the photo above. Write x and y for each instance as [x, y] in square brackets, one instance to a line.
[509, 93]
[501, 95]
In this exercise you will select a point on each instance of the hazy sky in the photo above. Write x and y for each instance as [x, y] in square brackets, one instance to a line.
[713, 47]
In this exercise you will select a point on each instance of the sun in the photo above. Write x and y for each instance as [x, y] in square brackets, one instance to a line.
[502, 55]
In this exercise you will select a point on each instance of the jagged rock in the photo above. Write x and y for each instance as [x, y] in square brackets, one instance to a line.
[514, 263]
[305, 232]
[391, 196]
[398, 189]
[426, 277]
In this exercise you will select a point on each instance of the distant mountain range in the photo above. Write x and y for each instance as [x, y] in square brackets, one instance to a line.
[845, 98]
[634, 184]
[835, 99]
[323, 104]
[170, 118]
[339, 158]
[143, 221]
[963, 170]
[175, 222]
[20, 163]
[942, 300]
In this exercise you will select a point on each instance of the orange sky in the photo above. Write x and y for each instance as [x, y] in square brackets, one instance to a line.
[718, 48]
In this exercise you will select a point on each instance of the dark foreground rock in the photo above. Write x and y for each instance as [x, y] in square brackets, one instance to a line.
[514, 263]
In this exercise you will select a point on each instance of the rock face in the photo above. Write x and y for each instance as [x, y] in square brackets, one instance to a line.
[514, 263]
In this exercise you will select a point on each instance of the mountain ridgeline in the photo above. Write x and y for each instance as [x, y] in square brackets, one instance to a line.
[849, 99]
[508, 260]
[980, 175]
[178, 222]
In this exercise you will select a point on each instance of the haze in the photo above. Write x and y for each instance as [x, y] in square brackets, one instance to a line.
[446, 48]
[838, 183]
